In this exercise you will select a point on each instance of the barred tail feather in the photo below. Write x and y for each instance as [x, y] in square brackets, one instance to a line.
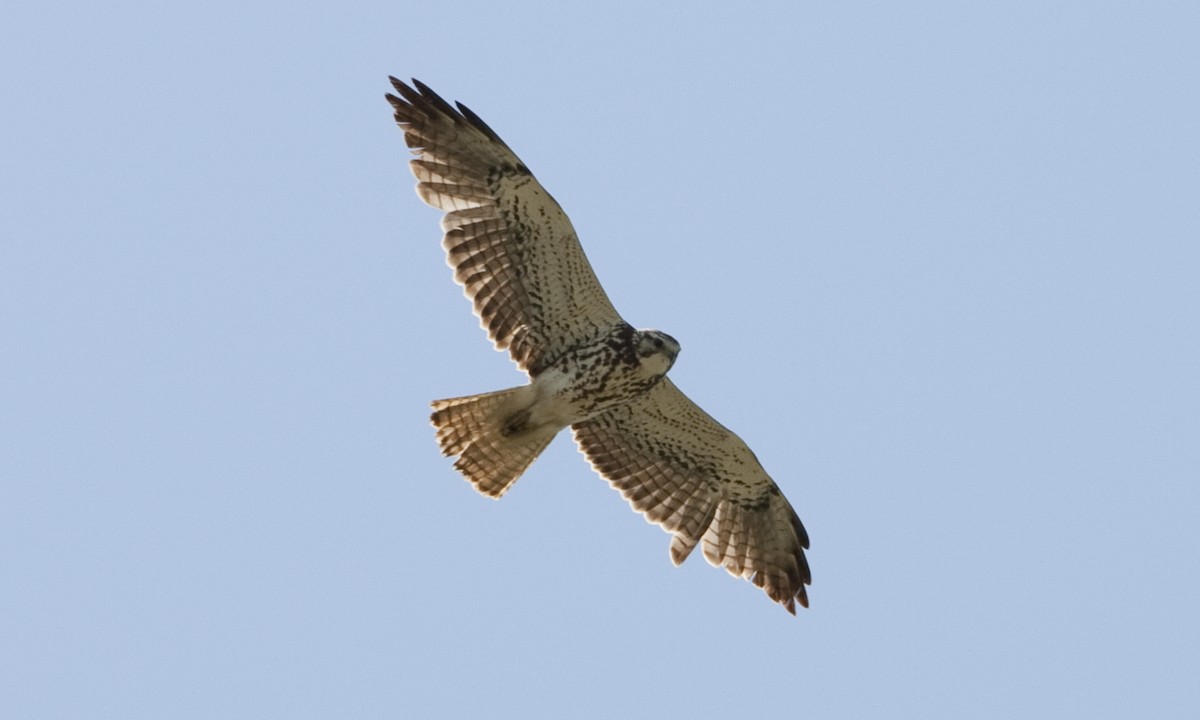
[481, 429]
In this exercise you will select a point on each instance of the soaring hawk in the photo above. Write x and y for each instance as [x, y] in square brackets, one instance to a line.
[521, 265]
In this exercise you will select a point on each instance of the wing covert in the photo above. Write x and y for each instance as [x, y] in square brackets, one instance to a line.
[512, 247]
[694, 478]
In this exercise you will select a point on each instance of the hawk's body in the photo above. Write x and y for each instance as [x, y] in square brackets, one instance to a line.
[521, 264]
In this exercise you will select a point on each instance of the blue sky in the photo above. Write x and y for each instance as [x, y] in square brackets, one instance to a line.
[937, 263]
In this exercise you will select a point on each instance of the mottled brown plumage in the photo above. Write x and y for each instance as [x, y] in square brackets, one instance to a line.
[685, 472]
[511, 246]
[520, 263]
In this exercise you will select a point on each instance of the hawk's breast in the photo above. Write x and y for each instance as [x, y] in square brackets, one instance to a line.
[596, 376]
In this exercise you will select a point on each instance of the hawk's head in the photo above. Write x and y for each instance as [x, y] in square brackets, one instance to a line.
[657, 351]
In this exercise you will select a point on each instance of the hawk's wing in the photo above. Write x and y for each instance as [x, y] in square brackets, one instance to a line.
[688, 474]
[510, 244]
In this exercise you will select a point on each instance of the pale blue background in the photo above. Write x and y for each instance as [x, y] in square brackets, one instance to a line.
[938, 263]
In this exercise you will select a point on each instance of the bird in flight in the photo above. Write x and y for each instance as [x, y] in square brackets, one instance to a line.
[521, 265]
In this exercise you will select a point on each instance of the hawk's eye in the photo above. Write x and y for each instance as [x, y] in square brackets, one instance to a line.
[658, 342]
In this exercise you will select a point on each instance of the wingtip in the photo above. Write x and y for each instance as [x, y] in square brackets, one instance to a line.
[399, 85]
[420, 97]
[800, 597]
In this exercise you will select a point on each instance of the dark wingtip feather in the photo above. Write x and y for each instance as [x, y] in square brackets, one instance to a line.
[412, 97]
[421, 98]
[435, 101]
[478, 122]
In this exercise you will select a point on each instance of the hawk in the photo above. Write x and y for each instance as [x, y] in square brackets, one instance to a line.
[520, 263]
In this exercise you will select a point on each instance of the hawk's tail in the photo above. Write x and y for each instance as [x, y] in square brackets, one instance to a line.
[485, 432]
